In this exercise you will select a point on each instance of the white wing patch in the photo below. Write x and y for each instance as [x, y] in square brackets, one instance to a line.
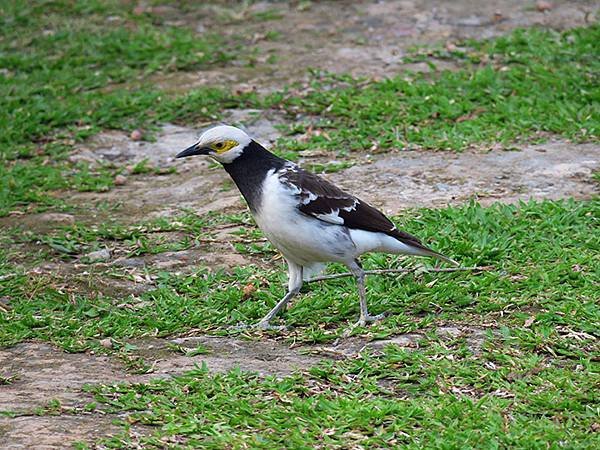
[311, 197]
[353, 207]
[307, 198]
[332, 217]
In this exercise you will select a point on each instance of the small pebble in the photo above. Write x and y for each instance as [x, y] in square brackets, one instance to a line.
[99, 255]
[542, 6]
[106, 343]
[136, 135]
[451, 47]
[120, 180]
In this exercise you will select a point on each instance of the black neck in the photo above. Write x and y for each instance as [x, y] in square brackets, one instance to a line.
[249, 170]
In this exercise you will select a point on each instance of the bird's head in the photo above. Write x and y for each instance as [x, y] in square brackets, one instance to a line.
[224, 143]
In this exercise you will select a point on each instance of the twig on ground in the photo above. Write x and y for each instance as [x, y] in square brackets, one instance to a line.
[234, 241]
[415, 269]
[233, 225]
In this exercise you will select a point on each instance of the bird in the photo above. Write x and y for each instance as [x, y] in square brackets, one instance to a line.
[308, 219]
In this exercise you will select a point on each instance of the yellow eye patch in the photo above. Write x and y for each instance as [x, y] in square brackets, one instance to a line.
[224, 146]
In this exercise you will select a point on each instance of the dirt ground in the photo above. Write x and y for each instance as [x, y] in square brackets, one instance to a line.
[362, 38]
[44, 375]
[403, 179]
[365, 38]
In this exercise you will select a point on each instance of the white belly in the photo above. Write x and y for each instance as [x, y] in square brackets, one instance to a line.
[307, 241]
[300, 238]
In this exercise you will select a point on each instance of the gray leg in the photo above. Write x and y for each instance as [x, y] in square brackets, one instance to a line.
[294, 285]
[365, 317]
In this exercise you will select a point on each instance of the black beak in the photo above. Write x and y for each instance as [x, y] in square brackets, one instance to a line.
[194, 150]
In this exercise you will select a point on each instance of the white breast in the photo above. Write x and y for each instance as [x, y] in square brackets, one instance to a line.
[300, 238]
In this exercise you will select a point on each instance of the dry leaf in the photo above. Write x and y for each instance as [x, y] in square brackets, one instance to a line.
[136, 135]
[248, 290]
[542, 5]
[476, 112]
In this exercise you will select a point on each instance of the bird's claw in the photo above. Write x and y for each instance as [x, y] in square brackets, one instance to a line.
[364, 320]
[264, 325]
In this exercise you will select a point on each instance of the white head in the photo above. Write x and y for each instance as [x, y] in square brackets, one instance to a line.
[223, 143]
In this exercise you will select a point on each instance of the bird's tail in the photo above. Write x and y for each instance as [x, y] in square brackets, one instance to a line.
[433, 254]
[417, 247]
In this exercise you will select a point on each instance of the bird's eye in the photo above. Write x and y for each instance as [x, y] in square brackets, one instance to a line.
[219, 145]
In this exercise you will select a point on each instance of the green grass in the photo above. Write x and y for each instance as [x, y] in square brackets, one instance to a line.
[532, 382]
[546, 266]
[56, 71]
[70, 69]
[69, 72]
[533, 81]
[439, 396]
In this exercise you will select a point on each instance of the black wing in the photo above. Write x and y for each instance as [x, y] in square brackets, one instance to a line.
[325, 201]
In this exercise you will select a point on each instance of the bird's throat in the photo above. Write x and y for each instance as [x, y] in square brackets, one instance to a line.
[250, 169]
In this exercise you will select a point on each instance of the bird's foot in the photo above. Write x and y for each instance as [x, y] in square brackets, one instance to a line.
[364, 320]
[262, 325]
[265, 325]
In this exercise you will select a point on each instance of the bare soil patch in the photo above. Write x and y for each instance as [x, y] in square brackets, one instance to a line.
[55, 432]
[554, 170]
[222, 354]
[197, 184]
[41, 373]
[361, 38]
[395, 181]
[351, 347]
